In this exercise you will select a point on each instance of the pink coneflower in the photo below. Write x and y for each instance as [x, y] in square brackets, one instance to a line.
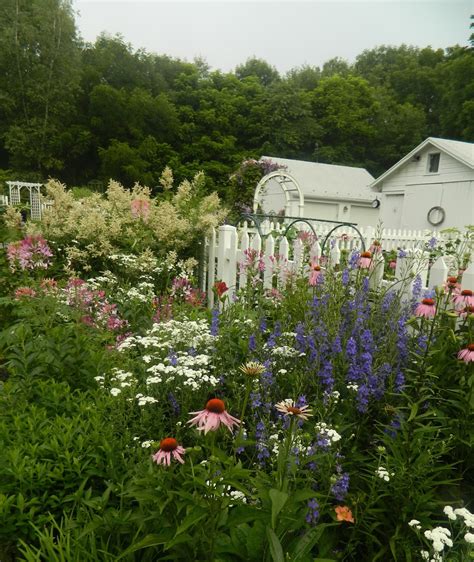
[375, 247]
[466, 311]
[288, 408]
[451, 285]
[426, 308]
[467, 354]
[315, 273]
[365, 260]
[464, 298]
[169, 448]
[392, 264]
[212, 416]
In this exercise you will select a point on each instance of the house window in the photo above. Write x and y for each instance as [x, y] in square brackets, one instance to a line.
[433, 163]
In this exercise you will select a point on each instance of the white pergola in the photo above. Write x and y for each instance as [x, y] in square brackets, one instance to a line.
[287, 183]
[34, 189]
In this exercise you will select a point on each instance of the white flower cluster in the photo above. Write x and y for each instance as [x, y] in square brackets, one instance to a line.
[106, 279]
[353, 386]
[143, 292]
[440, 537]
[119, 379]
[462, 512]
[415, 523]
[173, 334]
[144, 400]
[326, 432]
[285, 351]
[383, 474]
[191, 370]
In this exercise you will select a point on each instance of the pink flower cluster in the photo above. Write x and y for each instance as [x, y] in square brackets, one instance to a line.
[182, 288]
[98, 312]
[140, 209]
[32, 252]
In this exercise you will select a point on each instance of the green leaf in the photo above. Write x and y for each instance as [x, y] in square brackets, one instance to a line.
[149, 540]
[309, 539]
[278, 501]
[192, 518]
[275, 547]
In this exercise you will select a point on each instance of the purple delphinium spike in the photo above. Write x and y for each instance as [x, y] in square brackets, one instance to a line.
[313, 512]
[340, 488]
[215, 322]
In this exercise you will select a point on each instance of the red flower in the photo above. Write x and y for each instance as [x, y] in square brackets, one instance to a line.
[220, 288]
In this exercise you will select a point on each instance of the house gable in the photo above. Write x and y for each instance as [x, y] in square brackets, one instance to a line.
[456, 163]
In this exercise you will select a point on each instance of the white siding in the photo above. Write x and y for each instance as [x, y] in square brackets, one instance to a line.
[416, 172]
[391, 210]
[363, 216]
[457, 200]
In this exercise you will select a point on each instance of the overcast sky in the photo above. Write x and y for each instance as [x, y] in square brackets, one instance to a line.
[286, 34]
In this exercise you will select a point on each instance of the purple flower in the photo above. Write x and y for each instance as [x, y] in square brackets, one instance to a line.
[345, 277]
[313, 512]
[252, 342]
[215, 322]
[402, 253]
[354, 259]
[174, 404]
[432, 243]
[340, 488]
[263, 324]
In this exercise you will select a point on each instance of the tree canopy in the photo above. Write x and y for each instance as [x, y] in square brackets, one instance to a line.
[86, 112]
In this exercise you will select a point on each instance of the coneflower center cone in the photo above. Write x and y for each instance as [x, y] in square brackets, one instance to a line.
[215, 405]
[168, 444]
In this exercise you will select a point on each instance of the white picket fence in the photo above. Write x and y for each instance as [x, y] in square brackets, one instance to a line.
[275, 258]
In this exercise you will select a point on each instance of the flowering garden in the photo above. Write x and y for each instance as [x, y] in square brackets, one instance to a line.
[316, 421]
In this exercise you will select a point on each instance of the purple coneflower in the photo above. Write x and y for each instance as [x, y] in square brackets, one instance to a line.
[365, 260]
[315, 273]
[169, 448]
[467, 354]
[212, 416]
[465, 298]
[426, 308]
[288, 408]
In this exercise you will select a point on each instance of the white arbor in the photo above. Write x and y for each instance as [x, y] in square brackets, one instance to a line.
[287, 183]
[34, 189]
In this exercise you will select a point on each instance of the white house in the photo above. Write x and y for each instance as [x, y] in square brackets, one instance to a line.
[431, 187]
[318, 191]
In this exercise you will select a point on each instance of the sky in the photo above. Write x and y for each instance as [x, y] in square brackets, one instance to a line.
[287, 34]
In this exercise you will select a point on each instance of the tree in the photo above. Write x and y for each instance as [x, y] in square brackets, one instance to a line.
[39, 74]
[265, 73]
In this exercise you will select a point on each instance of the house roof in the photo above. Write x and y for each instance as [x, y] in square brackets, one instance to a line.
[462, 151]
[327, 180]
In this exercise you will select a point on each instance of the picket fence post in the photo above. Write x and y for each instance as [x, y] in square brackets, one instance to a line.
[438, 273]
[468, 275]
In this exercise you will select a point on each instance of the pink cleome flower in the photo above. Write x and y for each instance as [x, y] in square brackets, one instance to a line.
[32, 252]
[169, 448]
[464, 298]
[22, 292]
[365, 260]
[467, 354]
[213, 416]
[426, 308]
